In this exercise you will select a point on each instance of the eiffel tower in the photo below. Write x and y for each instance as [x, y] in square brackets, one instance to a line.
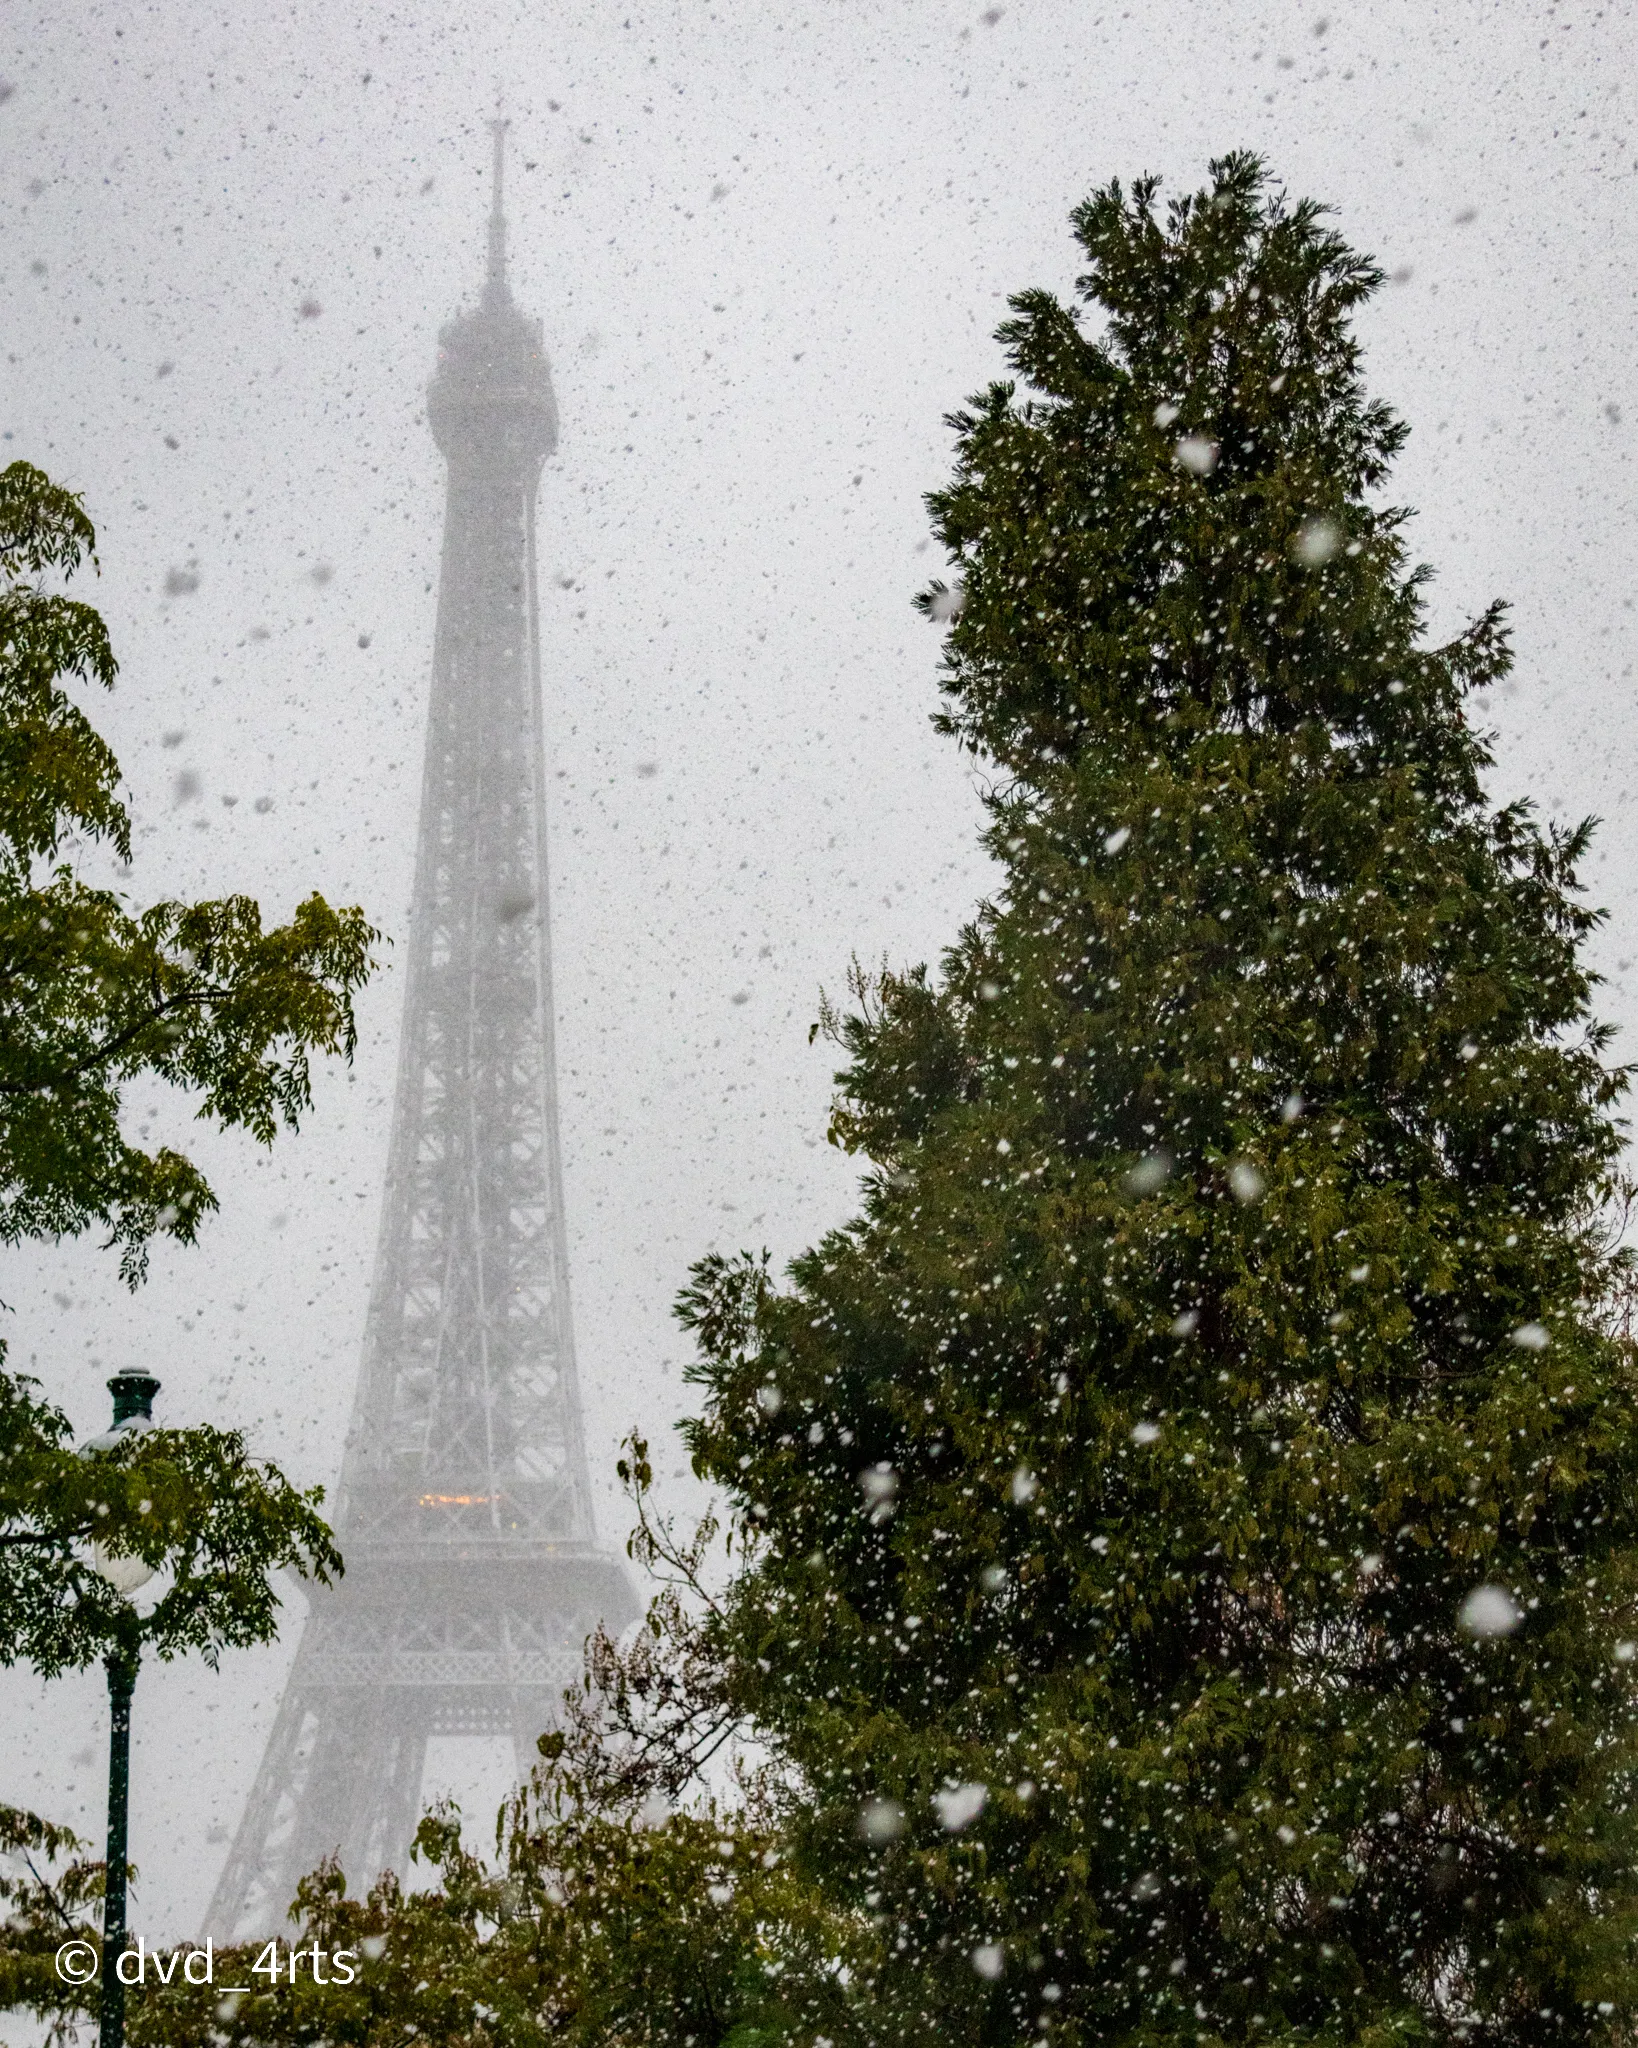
[464, 1512]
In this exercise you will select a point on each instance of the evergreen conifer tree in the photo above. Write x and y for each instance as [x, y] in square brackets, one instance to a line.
[1190, 1509]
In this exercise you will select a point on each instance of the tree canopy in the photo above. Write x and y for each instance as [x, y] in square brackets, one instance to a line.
[93, 992]
[92, 995]
[1193, 1502]
[190, 1504]
[607, 1910]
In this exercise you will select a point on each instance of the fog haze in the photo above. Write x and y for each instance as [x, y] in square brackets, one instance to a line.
[769, 248]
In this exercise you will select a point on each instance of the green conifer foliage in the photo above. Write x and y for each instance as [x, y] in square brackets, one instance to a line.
[1191, 1507]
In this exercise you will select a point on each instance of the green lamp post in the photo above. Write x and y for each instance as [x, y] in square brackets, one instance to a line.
[133, 1394]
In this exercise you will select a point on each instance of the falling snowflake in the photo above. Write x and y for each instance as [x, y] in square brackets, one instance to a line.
[881, 1820]
[958, 1806]
[1316, 542]
[1490, 1611]
[1150, 1174]
[880, 1485]
[1247, 1182]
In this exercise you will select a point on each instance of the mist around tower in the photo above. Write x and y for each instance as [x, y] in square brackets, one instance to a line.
[1152, 1560]
[1172, 1569]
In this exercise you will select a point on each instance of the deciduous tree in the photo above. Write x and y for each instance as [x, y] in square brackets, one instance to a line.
[93, 995]
[93, 992]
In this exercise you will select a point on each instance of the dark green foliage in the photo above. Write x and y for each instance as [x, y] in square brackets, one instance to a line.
[92, 993]
[190, 1503]
[596, 1931]
[49, 1894]
[1231, 1301]
[195, 1507]
[611, 1919]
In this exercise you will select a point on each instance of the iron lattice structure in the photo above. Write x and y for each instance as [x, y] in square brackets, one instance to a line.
[473, 1571]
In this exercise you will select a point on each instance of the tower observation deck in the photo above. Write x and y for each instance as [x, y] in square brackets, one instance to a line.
[464, 1512]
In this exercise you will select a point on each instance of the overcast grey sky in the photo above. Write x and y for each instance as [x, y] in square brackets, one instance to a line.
[769, 245]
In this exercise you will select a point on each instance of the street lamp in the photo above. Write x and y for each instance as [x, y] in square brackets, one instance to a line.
[133, 1394]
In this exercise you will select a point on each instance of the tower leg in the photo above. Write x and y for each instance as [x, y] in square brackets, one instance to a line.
[341, 1777]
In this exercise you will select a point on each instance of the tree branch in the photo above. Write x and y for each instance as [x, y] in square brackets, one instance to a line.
[117, 1043]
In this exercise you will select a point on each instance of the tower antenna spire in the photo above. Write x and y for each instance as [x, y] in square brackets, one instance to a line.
[495, 289]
